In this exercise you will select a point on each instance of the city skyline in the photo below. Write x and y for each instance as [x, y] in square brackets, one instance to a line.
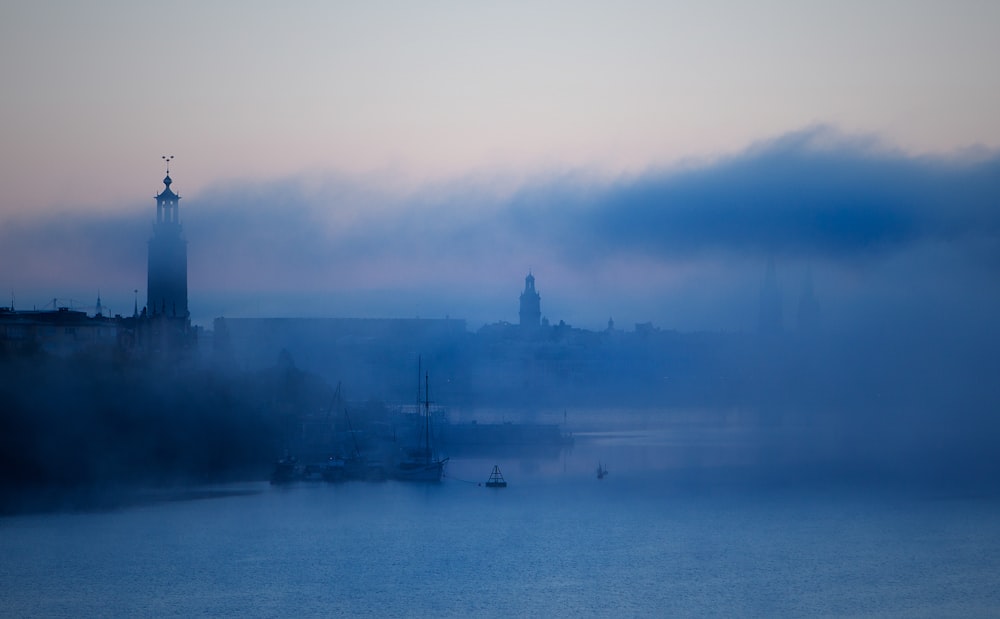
[645, 161]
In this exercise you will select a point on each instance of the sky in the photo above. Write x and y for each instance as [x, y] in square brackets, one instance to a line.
[644, 160]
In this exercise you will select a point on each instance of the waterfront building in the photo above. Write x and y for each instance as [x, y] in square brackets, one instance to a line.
[61, 332]
[165, 324]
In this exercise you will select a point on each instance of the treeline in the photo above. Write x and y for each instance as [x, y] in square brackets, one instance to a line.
[73, 429]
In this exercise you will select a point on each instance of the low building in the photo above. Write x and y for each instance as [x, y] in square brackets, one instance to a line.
[61, 332]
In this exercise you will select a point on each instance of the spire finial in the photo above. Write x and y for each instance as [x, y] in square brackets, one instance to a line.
[167, 159]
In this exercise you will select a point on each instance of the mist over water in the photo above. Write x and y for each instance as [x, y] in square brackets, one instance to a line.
[714, 285]
[794, 399]
[719, 510]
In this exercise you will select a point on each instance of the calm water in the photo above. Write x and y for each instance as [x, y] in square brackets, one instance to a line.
[556, 542]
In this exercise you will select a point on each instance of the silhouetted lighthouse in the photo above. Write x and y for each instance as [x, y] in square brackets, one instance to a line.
[166, 283]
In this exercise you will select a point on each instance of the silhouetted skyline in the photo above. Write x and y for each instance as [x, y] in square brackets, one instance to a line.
[398, 161]
[740, 256]
[879, 233]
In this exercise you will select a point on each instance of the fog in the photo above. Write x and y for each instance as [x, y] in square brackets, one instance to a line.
[893, 374]
[879, 231]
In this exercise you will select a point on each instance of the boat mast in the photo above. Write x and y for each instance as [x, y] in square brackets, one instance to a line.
[419, 374]
[427, 418]
[357, 450]
[336, 401]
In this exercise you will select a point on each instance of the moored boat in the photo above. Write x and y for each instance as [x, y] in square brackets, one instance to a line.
[286, 470]
[602, 471]
[420, 464]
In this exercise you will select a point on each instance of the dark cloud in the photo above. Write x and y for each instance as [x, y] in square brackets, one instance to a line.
[812, 195]
[809, 195]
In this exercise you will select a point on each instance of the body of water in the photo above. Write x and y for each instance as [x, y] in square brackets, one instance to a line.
[645, 541]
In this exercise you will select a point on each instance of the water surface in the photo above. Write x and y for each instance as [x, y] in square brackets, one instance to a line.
[645, 541]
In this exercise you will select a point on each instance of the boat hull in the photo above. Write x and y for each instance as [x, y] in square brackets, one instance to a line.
[422, 471]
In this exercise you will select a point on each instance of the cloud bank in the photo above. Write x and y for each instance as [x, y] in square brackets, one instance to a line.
[869, 223]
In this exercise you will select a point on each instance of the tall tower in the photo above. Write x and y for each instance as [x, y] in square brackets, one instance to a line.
[166, 281]
[531, 304]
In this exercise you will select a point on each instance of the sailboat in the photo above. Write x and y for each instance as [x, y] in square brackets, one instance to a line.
[602, 471]
[420, 464]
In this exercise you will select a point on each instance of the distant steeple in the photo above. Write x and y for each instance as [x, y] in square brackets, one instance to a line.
[167, 200]
[530, 314]
[98, 309]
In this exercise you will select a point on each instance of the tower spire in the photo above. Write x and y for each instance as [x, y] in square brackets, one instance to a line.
[167, 265]
[530, 314]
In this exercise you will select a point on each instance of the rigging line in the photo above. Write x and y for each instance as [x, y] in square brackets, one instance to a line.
[466, 481]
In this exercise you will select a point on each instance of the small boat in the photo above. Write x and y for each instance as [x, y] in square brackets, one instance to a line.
[602, 471]
[496, 479]
[286, 470]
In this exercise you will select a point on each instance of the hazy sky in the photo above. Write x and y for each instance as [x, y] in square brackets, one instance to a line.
[351, 156]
